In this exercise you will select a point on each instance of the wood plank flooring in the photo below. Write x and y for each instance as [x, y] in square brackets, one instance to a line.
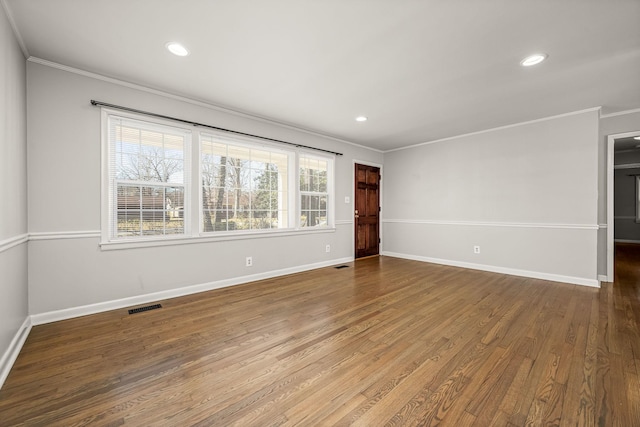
[385, 342]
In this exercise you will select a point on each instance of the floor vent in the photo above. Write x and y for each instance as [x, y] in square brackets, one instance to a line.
[147, 308]
[341, 266]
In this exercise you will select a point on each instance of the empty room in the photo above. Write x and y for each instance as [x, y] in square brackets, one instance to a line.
[320, 213]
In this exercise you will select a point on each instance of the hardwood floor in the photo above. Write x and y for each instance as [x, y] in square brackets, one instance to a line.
[384, 342]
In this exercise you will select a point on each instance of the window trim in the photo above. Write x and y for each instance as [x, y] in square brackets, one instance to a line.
[194, 216]
[250, 143]
[330, 190]
[107, 196]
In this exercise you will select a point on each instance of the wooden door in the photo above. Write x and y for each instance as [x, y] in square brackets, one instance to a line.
[367, 210]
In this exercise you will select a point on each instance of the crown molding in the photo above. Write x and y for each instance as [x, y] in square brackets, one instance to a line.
[14, 27]
[620, 113]
[464, 135]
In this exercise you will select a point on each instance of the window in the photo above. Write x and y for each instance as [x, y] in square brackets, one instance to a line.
[243, 187]
[164, 182]
[314, 191]
[148, 178]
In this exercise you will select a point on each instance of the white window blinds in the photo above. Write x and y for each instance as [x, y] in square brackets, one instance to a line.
[149, 166]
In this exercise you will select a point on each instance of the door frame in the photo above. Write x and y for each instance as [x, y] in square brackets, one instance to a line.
[353, 203]
[611, 141]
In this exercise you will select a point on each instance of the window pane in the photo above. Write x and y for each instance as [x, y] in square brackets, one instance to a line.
[144, 155]
[322, 181]
[261, 220]
[304, 219]
[149, 210]
[250, 179]
[322, 202]
[241, 220]
[146, 175]
[313, 191]
[152, 222]
[129, 223]
[174, 202]
[304, 179]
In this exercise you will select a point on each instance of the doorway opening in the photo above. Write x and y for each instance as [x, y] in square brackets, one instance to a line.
[623, 210]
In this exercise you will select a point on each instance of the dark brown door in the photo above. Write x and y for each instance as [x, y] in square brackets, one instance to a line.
[367, 210]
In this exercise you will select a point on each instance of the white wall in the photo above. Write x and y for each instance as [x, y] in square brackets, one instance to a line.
[64, 198]
[609, 126]
[13, 196]
[526, 194]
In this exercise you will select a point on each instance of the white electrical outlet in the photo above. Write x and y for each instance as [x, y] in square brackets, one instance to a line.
[476, 249]
[327, 248]
[249, 261]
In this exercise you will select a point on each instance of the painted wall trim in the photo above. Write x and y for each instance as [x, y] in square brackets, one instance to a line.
[11, 354]
[57, 235]
[602, 278]
[601, 226]
[181, 98]
[189, 240]
[620, 113]
[494, 224]
[543, 119]
[503, 270]
[633, 150]
[12, 242]
[344, 221]
[69, 313]
[627, 166]
[96, 234]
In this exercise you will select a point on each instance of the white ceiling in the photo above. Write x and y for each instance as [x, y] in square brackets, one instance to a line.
[420, 70]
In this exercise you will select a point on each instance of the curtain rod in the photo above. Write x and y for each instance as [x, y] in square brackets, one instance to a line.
[175, 119]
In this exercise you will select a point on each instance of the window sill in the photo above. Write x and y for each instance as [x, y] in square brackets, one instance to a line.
[207, 238]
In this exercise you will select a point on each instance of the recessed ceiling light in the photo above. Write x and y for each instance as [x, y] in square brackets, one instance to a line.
[361, 119]
[177, 49]
[637, 138]
[533, 59]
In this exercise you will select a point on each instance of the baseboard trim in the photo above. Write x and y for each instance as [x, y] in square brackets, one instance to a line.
[11, 354]
[503, 270]
[603, 278]
[70, 313]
